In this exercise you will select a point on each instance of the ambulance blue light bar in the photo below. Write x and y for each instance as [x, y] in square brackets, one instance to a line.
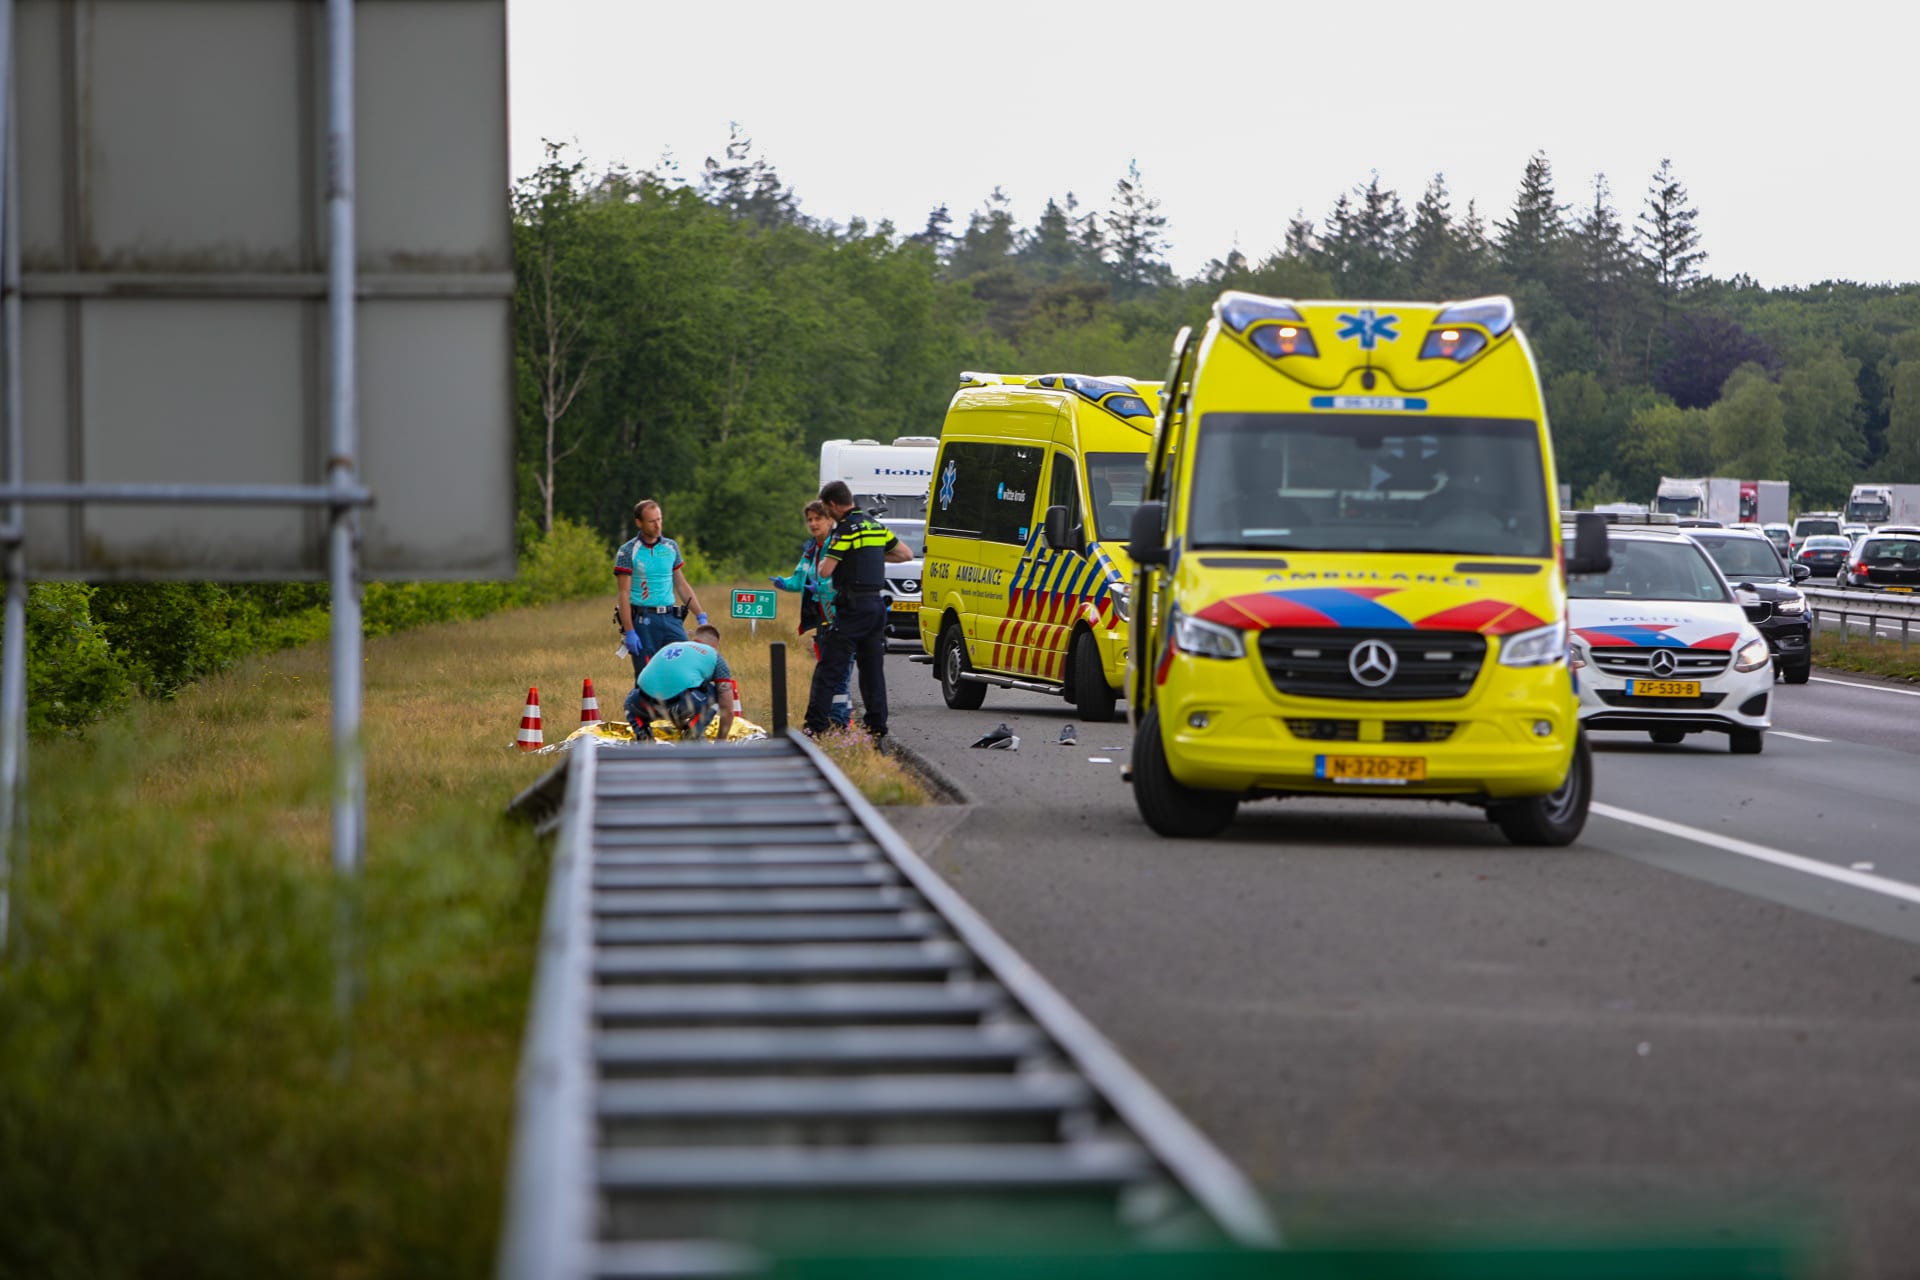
[1117, 398]
[1494, 314]
[1274, 328]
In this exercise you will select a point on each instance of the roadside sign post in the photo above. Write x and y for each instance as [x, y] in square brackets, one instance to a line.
[753, 606]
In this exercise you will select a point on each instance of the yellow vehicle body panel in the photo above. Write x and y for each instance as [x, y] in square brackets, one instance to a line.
[1227, 724]
[1019, 602]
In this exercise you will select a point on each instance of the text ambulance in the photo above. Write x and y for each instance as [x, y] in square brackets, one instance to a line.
[1351, 577]
[1025, 582]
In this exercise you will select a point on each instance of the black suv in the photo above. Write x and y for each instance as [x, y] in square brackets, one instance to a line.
[1769, 593]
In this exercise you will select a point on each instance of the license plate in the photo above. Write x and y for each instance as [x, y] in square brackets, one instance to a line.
[906, 606]
[1385, 771]
[1663, 688]
[1908, 590]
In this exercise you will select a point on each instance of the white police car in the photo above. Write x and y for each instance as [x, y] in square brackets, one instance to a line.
[1660, 643]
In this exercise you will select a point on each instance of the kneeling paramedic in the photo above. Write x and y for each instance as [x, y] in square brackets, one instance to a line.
[681, 684]
[855, 558]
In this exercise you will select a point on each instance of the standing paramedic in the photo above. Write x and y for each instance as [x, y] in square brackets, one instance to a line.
[816, 599]
[855, 558]
[649, 577]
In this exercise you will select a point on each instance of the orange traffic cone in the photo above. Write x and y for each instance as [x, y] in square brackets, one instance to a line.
[589, 705]
[531, 739]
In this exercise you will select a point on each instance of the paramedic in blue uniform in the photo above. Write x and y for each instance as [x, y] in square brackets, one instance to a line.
[855, 558]
[651, 589]
[682, 686]
[816, 598]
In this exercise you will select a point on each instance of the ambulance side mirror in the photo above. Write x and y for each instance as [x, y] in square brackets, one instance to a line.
[1057, 528]
[1147, 535]
[1590, 553]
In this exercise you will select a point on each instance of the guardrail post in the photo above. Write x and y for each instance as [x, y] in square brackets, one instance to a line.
[777, 662]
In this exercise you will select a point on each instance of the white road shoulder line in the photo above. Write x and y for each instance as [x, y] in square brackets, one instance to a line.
[1798, 737]
[1760, 853]
[1874, 688]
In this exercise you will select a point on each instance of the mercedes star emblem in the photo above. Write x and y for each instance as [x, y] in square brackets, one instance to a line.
[1663, 663]
[1373, 663]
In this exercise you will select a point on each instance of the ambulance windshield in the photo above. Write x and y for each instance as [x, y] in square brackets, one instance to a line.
[1369, 483]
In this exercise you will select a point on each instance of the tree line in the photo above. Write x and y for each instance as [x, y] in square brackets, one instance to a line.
[694, 340]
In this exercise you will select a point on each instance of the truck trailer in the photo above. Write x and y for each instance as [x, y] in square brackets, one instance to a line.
[1720, 498]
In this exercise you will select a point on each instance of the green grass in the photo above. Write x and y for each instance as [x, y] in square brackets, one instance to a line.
[1879, 658]
[177, 1096]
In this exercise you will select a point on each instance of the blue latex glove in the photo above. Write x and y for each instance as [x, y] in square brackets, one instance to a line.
[632, 639]
[700, 618]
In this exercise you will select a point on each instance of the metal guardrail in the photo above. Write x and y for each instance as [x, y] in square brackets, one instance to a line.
[760, 1021]
[1881, 611]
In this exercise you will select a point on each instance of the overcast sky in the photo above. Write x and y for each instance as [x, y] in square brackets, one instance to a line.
[1791, 126]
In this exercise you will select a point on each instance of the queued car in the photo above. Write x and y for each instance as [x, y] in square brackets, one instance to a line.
[1660, 644]
[1852, 531]
[1823, 554]
[1879, 561]
[902, 594]
[1911, 529]
[1781, 536]
[1769, 592]
[1812, 523]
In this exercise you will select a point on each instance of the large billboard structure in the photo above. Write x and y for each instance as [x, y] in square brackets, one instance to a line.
[256, 320]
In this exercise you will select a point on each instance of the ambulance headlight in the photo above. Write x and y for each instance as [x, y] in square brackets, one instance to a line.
[1205, 639]
[1540, 647]
[1122, 602]
[1751, 656]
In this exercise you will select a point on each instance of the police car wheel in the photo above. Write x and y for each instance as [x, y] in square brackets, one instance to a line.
[950, 664]
[1169, 807]
[1746, 742]
[1556, 818]
[1668, 737]
[1093, 697]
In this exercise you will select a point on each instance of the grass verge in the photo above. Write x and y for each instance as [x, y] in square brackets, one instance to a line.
[177, 1095]
[1879, 658]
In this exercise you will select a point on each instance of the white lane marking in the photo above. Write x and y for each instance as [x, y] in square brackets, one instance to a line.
[1798, 737]
[1875, 688]
[1760, 852]
[1099, 759]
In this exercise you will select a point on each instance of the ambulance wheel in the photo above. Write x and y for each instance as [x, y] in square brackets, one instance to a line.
[1556, 818]
[950, 660]
[1093, 698]
[1169, 807]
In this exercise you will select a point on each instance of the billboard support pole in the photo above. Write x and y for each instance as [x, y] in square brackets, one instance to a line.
[13, 661]
[350, 782]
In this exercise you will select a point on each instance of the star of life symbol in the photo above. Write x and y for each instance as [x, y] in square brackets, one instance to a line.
[1373, 663]
[1371, 329]
[947, 479]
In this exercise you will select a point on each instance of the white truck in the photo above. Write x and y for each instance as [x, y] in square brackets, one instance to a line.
[1874, 504]
[1727, 500]
[886, 479]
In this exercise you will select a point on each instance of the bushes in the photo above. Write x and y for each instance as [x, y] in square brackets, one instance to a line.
[90, 648]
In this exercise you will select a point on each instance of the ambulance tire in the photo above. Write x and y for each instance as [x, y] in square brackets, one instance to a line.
[1093, 697]
[1556, 818]
[950, 661]
[1170, 808]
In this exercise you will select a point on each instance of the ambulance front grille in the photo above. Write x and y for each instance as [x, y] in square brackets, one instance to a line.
[1315, 662]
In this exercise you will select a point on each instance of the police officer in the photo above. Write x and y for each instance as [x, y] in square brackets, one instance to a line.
[855, 557]
[649, 575]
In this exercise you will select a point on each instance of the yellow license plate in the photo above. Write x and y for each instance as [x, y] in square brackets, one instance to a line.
[1907, 589]
[1388, 771]
[906, 606]
[1663, 688]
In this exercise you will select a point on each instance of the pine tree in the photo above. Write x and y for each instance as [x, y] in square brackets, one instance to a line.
[1603, 291]
[988, 240]
[1301, 242]
[1135, 236]
[935, 234]
[1669, 240]
[746, 186]
[1430, 242]
[1531, 239]
[1049, 250]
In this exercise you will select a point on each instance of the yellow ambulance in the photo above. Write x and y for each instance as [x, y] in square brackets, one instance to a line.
[1026, 580]
[1351, 579]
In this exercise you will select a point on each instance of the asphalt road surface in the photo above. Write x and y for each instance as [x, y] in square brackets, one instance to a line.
[1705, 1015]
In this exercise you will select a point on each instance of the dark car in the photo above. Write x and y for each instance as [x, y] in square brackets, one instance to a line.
[1765, 585]
[1881, 561]
[1823, 554]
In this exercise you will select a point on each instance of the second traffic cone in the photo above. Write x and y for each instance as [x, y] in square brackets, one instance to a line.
[589, 705]
[531, 739]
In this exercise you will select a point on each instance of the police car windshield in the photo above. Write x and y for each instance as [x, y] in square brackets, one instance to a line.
[1650, 570]
[1369, 482]
[1742, 559]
